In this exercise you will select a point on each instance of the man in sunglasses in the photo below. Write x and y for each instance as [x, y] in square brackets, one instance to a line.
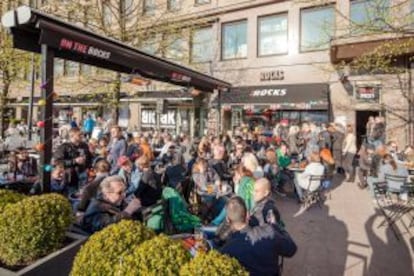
[109, 205]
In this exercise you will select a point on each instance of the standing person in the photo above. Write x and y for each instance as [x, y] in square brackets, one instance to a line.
[337, 144]
[369, 128]
[76, 158]
[116, 148]
[73, 123]
[88, 126]
[349, 151]
[256, 248]
[378, 131]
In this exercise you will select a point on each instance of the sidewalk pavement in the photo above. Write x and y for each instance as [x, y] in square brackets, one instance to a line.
[343, 237]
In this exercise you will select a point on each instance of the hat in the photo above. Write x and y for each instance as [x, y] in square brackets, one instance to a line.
[122, 160]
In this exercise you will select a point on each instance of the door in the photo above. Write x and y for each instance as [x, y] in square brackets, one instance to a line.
[362, 117]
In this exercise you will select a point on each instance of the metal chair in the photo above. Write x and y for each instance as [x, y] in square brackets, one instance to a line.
[314, 196]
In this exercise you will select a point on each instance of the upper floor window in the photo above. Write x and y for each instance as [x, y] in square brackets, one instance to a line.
[199, 2]
[317, 28]
[272, 35]
[151, 45]
[173, 5]
[234, 40]
[369, 16]
[149, 6]
[201, 46]
[176, 48]
[107, 14]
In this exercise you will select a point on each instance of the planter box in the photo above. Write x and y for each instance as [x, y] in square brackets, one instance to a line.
[55, 264]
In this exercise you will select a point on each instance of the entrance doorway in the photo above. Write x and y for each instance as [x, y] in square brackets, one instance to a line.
[362, 117]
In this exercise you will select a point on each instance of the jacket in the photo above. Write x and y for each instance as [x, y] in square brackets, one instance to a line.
[265, 212]
[101, 213]
[116, 149]
[258, 248]
[148, 191]
[89, 192]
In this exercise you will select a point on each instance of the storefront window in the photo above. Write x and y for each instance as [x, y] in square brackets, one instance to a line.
[201, 50]
[234, 40]
[368, 16]
[273, 35]
[317, 28]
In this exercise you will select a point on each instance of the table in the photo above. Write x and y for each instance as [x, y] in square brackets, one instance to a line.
[225, 190]
[190, 243]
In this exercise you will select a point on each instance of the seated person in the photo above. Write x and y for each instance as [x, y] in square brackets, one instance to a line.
[175, 173]
[264, 210]
[284, 161]
[130, 173]
[26, 165]
[313, 168]
[57, 182]
[102, 169]
[217, 162]
[109, 206]
[390, 166]
[149, 190]
[256, 248]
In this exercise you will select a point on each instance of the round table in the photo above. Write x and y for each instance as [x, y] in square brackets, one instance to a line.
[224, 190]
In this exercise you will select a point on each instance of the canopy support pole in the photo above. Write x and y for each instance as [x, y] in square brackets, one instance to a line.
[46, 134]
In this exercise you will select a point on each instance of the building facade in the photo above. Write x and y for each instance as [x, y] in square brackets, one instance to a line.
[287, 60]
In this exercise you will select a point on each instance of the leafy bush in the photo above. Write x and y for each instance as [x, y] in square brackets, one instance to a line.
[9, 197]
[102, 251]
[33, 227]
[158, 256]
[212, 263]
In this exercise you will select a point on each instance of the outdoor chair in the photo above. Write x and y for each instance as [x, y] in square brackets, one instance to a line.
[314, 196]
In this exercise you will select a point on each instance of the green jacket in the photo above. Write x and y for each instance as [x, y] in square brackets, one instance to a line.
[245, 191]
[283, 160]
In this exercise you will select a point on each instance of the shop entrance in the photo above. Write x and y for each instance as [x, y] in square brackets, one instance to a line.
[361, 124]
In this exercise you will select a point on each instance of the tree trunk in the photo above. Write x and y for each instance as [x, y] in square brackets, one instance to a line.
[3, 104]
[116, 96]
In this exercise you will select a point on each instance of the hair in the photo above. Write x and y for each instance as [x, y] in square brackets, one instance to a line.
[236, 210]
[271, 156]
[200, 163]
[249, 161]
[116, 127]
[59, 164]
[265, 182]
[73, 131]
[105, 185]
[143, 161]
[314, 157]
[102, 166]
[243, 171]
[349, 128]
[389, 158]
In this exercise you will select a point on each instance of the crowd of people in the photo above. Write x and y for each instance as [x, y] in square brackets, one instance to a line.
[118, 174]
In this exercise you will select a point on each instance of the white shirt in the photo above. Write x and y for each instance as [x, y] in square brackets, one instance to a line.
[313, 168]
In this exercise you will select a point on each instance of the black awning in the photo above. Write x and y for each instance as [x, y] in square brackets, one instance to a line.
[292, 96]
[31, 28]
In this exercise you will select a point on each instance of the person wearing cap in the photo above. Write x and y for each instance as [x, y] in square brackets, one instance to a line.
[130, 173]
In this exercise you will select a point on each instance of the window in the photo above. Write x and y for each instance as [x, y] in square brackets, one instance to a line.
[128, 9]
[234, 40]
[175, 49]
[71, 68]
[200, 2]
[201, 46]
[368, 16]
[150, 45]
[173, 5]
[58, 67]
[149, 7]
[107, 14]
[272, 35]
[317, 28]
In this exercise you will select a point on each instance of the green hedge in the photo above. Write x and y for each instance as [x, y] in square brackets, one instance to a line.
[156, 257]
[33, 227]
[9, 197]
[213, 263]
[102, 252]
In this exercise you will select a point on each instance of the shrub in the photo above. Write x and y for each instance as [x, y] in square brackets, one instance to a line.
[102, 251]
[33, 227]
[158, 256]
[212, 263]
[9, 197]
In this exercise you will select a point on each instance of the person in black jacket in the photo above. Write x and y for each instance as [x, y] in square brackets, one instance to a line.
[76, 157]
[256, 248]
[109, 206]
[149, 190]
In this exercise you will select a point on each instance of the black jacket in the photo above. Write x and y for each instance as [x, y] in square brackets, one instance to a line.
[149, 190]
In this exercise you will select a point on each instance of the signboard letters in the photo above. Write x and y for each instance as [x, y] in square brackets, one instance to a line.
[272, 75]
[269, 92]
[84, 49]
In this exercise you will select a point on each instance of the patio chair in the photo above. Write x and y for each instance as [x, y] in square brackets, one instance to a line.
[314, 196]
